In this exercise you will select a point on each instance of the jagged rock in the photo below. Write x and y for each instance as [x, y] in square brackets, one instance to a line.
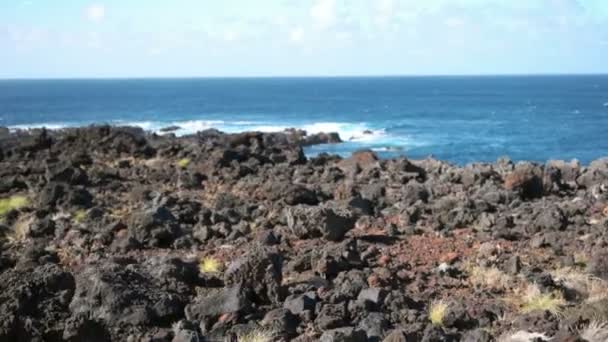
[347, 334]
[261, 271]
[224, 301]
[34, 301]
[298, 304]
[374, 325]
[332, 316]
[124, 294]
[309, 222]
[153, 226]
[281, 321]
[526, 179]
[595, 174]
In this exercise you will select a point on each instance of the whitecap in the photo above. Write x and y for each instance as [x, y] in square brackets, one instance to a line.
[52, 126]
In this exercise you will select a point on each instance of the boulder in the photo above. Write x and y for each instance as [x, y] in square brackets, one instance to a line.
[348, 334]
[229, 300]
[321, 138]
[560, 175]
[332, 316]
[118, 294]
[299, 304]
[595, 174]
[525, 179]
[259, 270]
[309, 222]
[34, 301]
[154, 226]
[359, 160]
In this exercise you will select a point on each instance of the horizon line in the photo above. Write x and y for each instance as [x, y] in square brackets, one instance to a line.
[111, 78]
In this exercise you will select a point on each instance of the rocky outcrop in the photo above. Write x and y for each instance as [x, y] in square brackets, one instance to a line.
[115, 234]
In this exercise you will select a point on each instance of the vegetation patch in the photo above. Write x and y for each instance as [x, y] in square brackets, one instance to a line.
[257, 335]
[183, 163]
[534, 300]
[490, 277]
[595, 331]
[209, 265]
[437, 312]
[12, 203]
[79, 216]
[587, 286]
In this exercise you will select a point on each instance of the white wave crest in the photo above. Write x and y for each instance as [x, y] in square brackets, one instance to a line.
[36, 125]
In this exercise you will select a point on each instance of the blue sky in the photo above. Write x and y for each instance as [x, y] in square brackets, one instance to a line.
[164, 38]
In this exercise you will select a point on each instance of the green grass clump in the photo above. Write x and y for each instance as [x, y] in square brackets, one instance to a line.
[12, 203]
[437, 312]
[183, 163]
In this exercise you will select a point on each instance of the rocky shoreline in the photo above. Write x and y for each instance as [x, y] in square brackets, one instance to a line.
[114, 234]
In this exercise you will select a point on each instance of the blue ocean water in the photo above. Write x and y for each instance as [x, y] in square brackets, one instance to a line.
[460, 119]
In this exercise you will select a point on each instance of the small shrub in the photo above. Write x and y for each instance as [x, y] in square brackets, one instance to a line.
[437, 312]
[183, 163]
[535, 300]
[12, 203]
[209, 265]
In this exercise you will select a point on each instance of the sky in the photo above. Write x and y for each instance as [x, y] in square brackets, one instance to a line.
[227, 38]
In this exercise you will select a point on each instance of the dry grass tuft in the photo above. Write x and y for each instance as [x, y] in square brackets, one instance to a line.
[209, 265]
[491, 278]
[258, 335]
[21, 229]
[588, 286]
[534, 300]
[596, 331]
[437, 312]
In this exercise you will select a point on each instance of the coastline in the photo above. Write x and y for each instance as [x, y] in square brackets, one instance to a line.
[112, 232]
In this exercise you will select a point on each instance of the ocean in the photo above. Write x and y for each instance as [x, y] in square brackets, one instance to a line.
[459, 119]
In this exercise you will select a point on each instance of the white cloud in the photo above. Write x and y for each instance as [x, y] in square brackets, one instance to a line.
[323, 12]
[296, 35]
[96, 13]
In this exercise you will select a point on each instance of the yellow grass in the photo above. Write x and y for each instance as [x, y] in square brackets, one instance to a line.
[12, 203]
[79, 216]
[490, 277]
[437, 312]
[209, 265]
[183, 163]
[257, 335]
[534, 300]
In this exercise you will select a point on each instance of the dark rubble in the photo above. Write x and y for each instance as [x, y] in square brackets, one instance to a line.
[123, 235]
